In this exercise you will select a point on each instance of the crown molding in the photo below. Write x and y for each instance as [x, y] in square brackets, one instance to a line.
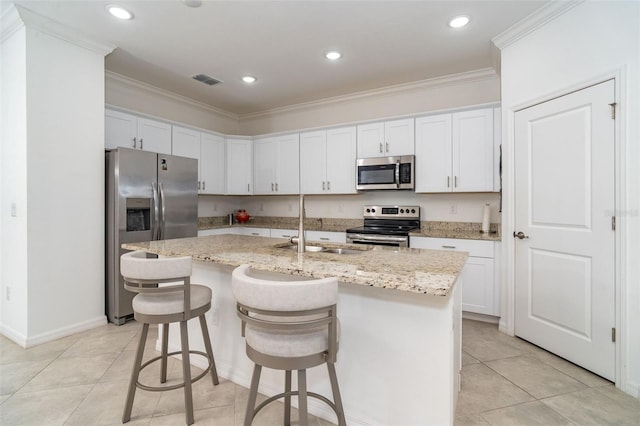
[428, 84]
[18, 16]
[531, 23]
[127, 81]
[10, 22]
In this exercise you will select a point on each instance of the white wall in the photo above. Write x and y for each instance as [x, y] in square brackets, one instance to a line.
[590, 41]
[53, 170]
[473, 88]
[434, 207]
[140, 97]
[13, 155]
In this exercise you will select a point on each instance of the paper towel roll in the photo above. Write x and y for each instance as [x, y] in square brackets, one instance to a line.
[486, 216]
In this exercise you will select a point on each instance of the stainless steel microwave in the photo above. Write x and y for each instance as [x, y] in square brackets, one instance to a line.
[386, 173]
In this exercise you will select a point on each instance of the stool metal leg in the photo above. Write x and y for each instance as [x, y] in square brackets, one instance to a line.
[186, 373]
[253, 395]
[207, 345]
[135, 372]
[164, 342]
[337, 400]
[287, 398]
[302, 397]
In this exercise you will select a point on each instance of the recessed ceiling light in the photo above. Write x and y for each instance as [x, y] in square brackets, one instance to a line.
[119, 12]
[248, 79]
[459, 21]
[333, 55]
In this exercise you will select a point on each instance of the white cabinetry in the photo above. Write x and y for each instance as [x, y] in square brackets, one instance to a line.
[480, 288]
[455, 152]
[328, 161]
[208, 149]
[283, 233]
[239, 167]
[276, 165]
[217, 231]
[385, 139]
[326, 236]
[130, 131]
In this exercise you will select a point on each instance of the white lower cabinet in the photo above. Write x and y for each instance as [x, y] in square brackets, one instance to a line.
[217, 231]
[255, 232]
[283, 233]
[480, 284]
[326, 236]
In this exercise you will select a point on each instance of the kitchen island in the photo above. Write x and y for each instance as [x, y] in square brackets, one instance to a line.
[399, 308]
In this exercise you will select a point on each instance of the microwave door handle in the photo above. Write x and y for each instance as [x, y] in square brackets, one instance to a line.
[398, 173]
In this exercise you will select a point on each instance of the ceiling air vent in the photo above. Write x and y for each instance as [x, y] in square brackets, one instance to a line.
[206, 79]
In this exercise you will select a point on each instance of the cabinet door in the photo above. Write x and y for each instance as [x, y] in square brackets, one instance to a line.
[264, 165]
[399, 137]
[371, 140]
[239, 167]
[154, 136]
[478, 286]
[473, 151]
[341, 161]
[212, 164]
[257, 232]
[433, 154]
[287, 177]
[283, 233]
[313, 162]
[185, 142]
[120, 129]
[325, 236]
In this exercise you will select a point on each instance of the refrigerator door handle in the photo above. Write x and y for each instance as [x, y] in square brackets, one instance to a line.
[162, 211]
[156, 213]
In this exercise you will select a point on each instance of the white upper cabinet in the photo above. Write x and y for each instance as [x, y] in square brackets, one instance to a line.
[276, 165]
[130, 131]
[455, 152]
[383, 139]
[327, 161]
[208, 149]
[239, 167]
[212, 164]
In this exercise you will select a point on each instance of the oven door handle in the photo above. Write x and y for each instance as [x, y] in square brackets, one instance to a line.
[376, 238]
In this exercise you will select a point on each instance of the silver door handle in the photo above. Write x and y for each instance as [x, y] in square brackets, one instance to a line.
[328, 186]
[276, 186]
[381, 147]
[162, 211]
[203, 183]
[387, 144]
[271, 186]
[323, 185]
[521, 235]
[134, 142]
[156, 212]
[141, 144]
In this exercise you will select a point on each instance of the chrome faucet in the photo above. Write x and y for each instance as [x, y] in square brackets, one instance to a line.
[300, 238]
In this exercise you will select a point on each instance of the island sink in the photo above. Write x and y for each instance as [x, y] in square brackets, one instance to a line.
[320, 249]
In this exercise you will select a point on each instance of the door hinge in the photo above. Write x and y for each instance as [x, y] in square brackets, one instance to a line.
[613, 334]
[613, 110]
[613, 223]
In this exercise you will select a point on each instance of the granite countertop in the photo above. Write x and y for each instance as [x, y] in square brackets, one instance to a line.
[464, 234]
[431, 272]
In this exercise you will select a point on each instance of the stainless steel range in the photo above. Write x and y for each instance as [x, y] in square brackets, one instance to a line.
[386, 225]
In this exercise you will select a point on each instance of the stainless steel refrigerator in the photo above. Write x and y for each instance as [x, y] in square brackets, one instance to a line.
[149, 196]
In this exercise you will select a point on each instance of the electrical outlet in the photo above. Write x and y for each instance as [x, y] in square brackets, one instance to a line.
[453, 209]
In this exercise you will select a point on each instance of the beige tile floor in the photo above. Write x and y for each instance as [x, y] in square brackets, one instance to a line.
[81, 380]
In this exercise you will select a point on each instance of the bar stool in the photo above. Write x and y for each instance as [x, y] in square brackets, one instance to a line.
[289, 325]
[175, 302]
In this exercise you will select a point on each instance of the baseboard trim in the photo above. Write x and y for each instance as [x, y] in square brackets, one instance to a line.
[65, 331]
[480, 317]
[13, 335]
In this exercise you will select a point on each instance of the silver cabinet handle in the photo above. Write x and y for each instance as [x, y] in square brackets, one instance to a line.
[141, 147]
[134, 142]
[203, 183]
[198, 185]
[328, 185]
[455, 181]
[381, 147]
[248, 190]
[449, 247]
[255, 233]
[271, 186]
[387, 146]
[276, 186]
[324, 238]
[448, 181]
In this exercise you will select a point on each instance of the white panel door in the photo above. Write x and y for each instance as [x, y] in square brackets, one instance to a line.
[185, 142]
[399, 137]
[433, 154]
[212, 164]
[564, 200]
[341, 160]
[264, 165]
[154, 136]
[121, 129]
[371, 140]
[288, 165]
[239, 167]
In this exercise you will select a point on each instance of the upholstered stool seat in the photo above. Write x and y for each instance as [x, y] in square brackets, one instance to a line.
[288, 325]
[166, 295]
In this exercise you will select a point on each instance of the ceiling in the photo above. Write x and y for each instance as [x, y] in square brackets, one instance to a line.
[281, 43]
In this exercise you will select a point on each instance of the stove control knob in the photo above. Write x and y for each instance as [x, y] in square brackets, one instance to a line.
[413, 210]
[373, 210]
[368, 210]
[401, 210]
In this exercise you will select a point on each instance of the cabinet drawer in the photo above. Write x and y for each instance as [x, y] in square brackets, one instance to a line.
[257, 232]
[475, 248]
[332, 237]
[283, 233]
